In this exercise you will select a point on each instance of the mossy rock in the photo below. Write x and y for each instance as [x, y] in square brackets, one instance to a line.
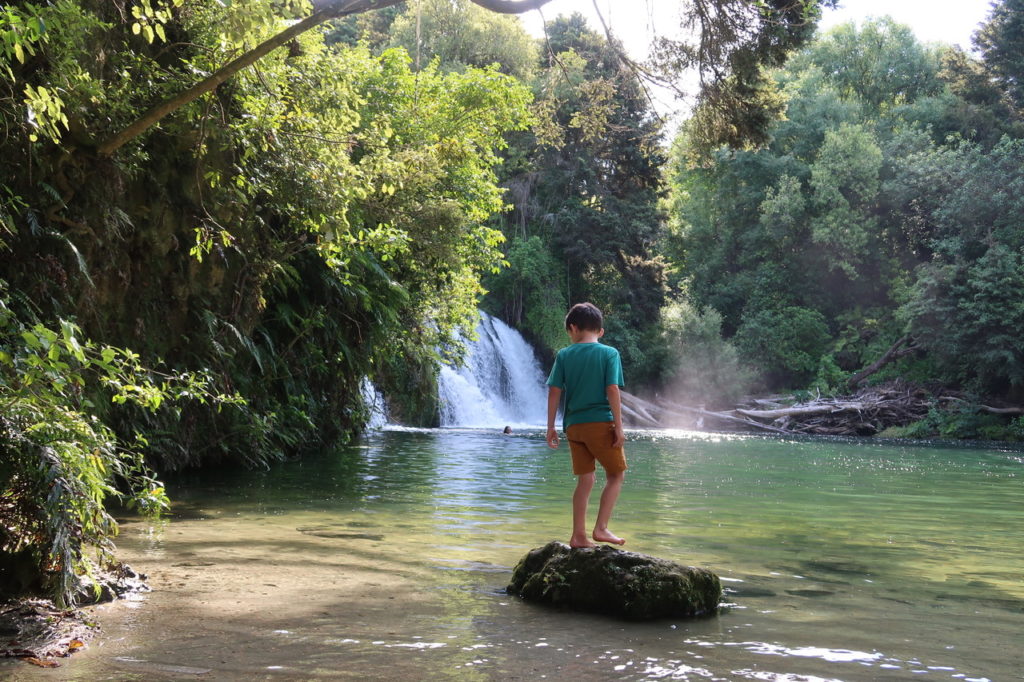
[607, 580]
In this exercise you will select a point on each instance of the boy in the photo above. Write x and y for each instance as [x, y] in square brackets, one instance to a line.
[590, 374]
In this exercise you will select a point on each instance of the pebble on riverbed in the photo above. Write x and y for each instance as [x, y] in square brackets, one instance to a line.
[611, 581]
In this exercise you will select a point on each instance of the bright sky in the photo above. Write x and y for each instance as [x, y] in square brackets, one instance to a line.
[933, 21]
[946, 21]
[635, 21]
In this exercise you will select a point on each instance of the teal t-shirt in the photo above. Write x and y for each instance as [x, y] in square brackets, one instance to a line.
[583, 371]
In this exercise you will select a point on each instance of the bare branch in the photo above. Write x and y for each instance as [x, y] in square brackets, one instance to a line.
[895, 352]
[510, 6]
[642, 75]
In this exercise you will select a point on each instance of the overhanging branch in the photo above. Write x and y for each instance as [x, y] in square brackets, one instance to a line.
[323, 10]
[510, 6]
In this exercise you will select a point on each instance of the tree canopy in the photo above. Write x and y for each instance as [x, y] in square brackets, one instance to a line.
[319, 219]
[882, 207]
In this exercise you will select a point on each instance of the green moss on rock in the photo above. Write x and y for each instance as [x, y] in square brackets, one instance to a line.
[607, 580]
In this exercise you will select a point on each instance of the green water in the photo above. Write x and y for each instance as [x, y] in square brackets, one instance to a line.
[842, 561]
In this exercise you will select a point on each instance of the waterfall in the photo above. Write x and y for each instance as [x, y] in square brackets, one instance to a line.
[500, 384]
[375, 401]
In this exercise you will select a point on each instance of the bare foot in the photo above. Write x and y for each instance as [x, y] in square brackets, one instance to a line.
[607, 536]
[580, 541]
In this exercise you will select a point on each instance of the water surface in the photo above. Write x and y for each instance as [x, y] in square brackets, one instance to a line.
[842, 561]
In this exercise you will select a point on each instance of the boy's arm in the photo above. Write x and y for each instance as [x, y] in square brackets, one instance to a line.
[615, 402]
[554, 396]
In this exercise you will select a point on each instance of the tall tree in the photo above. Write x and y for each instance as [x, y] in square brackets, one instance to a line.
[1001, 43]
[462, 34]
[826, 228]
[588, 186]
[964, 305]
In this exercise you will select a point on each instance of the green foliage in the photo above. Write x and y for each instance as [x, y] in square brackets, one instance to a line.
[320, 219]
[1016, 430]
[585, 189]
[150, 19]
[530, 287]
[999, 41]
[460, 34]
[21, 29]
[844, 177]
[879, 63]
[734, 43]
[980, 340]
[961, 421]
[787, 343]
[964, 304]
[33, 31]
[60, 464]
[371, 28]
[868, 210]
[830, 378]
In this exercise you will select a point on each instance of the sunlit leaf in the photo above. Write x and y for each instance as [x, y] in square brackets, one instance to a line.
[41, 662]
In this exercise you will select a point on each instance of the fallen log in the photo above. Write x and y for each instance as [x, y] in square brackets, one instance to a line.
[640, 408]
[1002, 410]
[802, 410]
[668, 408]
[1011, 411]
[637, 418]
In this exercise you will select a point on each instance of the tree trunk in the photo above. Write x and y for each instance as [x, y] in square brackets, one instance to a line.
[1011, 411]
[802, 410]
[894, 353]
[324, 10]
[642, 411]
[1006, 411]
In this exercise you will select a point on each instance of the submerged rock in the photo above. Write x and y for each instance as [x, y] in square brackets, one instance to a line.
[612, 581]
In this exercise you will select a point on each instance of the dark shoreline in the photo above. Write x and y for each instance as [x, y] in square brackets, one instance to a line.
[37, 631]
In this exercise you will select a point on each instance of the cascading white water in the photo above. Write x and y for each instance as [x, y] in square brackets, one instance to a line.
[378, 406]
[501, 383]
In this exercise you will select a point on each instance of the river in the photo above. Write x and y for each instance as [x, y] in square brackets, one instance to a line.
[386, 560]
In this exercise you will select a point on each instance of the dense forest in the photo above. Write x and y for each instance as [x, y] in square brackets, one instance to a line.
[882, 220]
[220, 284]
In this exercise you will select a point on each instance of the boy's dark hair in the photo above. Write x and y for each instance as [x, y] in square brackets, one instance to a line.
[586, 317]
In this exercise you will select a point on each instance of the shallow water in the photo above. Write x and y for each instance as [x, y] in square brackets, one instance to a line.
[842, 561]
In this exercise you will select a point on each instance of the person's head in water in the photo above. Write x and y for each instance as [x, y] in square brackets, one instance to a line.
[508, 429]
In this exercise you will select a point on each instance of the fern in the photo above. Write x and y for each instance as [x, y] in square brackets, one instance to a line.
[34, 227]
[60, 463]
[53, 193]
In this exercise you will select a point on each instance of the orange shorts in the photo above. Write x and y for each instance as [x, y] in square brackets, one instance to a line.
[593, 441]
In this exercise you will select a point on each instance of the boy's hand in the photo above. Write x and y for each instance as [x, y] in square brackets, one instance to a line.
[552, 438]
[620, 437]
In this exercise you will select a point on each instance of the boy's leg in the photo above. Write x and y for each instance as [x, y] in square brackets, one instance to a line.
[580, 497]
[610, 494]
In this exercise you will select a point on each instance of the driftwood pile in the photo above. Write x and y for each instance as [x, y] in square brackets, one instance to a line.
[866, 413]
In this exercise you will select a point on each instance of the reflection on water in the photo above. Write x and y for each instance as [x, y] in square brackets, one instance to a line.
[842, 561]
